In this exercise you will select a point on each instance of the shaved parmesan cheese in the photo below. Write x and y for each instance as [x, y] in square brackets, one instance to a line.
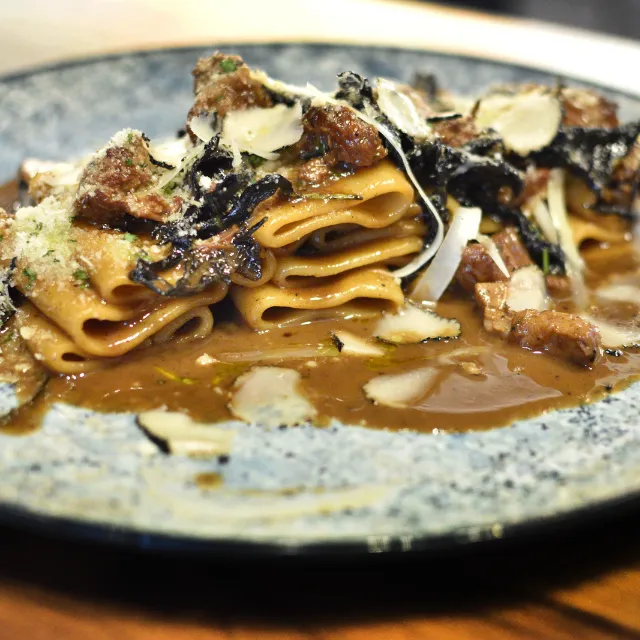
[542, 216]
[181, 166]
[527, 290]
[170, 151]
[559, 216]
[401, 110]
[42, 236]
[263, 131]
[181, 435]
[308, 91]
[400, 390]
[58, 173]
[428, 252]
[269, 396]
[413, 324]
[349, 344]
[432, 283]
[204, 126]
[622, 292]
[526, 122]
[615, 336]
[493, 252]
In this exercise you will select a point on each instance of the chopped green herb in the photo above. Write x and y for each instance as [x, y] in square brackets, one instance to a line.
[9, 337]
[143, 255]
[329, 196]
[129, 162]
[82, 277]
[1, 237]
[30, 275]
[168, 188]
[48, 253]
[255, 161]
[39, 226]
[175, 378]
[228, 65]
[545, 261]
[130, 237]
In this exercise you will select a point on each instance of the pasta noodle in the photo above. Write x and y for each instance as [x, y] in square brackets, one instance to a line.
[385, 197]
[359, 293]
[300, 271]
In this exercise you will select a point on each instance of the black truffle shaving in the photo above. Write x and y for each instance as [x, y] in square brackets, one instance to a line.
[232, 203]
[354, 89]
[248, 260]
[200, 272]
[7, 308]
[532, 239]
[590, 153]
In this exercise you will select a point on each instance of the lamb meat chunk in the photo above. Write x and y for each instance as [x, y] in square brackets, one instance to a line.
[558, 286]
[491, 295]
[511, 248]
[497, 321]
[340, 137]
[560, 334]
[118, 182]
[456, 132]
[223, 84]
[587, 108]
[477, 266]
[535, 183]
[312, 173]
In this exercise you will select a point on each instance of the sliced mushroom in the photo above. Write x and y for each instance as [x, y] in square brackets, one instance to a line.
[615, 336]
[400, 390]
[413, 324]
[527, 121]
[177, 433]
[270, 396]
[527, 290]
[349, 344]
[262, 131]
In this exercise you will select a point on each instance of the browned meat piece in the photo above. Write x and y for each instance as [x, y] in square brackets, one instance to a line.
[312, 173]
[457, 131]
[222, 84]
[491, 295]
[343, 137]
[624, 178]
[477, 266]
[535, 182]
[513, 252]
[560, 334]
[558, 286]
[497, 321]
[587, 108]
[119, 182]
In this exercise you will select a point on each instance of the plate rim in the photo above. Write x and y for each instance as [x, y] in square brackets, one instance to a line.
[465, 538]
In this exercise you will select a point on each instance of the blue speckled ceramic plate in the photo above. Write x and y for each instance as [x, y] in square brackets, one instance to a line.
[304, 488]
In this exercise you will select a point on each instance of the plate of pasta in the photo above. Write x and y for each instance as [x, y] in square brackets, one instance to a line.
[292, 297]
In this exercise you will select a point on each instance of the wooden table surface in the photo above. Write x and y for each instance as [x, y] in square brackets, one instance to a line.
[584, 583]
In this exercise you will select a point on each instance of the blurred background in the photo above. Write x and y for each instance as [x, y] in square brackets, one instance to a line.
[617, 17]
[580, 38]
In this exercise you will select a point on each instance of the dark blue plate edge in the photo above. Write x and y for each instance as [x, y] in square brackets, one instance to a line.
[141, 53]
[470, 538]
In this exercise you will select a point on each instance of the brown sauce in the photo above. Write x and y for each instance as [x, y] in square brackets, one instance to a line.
[492, 385]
